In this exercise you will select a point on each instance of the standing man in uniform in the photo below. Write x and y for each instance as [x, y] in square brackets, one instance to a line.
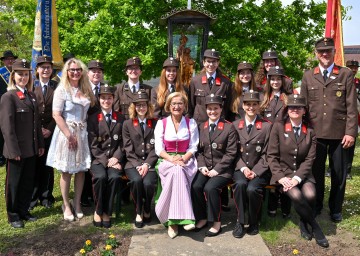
[8, 59]
[126, 92]
[96, 76]
[331, 96]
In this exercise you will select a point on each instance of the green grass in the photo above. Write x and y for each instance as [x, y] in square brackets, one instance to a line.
[52, 219]
[351, 212]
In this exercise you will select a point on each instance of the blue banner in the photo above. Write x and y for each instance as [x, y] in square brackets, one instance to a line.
[5, 74]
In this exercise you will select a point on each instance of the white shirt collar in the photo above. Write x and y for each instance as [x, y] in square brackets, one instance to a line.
[213, 75]
[293, 125]
[248, 122]
[144, 120]
[137, 85]
[216, 123]
[20, 88]
[93, 86]
[104, 112]
[329, 69]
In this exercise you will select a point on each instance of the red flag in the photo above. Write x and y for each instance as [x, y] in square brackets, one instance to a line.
[333, 29]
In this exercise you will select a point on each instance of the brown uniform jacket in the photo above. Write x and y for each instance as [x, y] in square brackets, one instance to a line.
[45, 104]
[20, 124]
[199, 89]
[124, 97]
[105, 142]
[139, 149]
[219, 151]
[253, 146]
[288, 157]
[275, 110]
[332, 104]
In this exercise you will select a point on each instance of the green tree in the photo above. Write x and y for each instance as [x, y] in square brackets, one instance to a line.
[113, 30]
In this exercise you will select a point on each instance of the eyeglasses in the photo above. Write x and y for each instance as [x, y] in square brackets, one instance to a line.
[73, 70]
[211, 61]
[133, 68]
[141, 105]
[45, 67]
[324, 51]
[174, 104]
[295, 107]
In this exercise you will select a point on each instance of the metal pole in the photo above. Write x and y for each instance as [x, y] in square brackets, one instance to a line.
[189, 5]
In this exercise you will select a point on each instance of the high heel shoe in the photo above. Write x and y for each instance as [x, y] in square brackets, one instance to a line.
[79, 214]
[67, 217]
[172, 233]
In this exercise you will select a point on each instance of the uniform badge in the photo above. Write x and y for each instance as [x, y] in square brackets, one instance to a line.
[268, 115]
[99, 139]
[152, 141]
[258, 149]
[116, 137]
[338, 93]
[214, 145]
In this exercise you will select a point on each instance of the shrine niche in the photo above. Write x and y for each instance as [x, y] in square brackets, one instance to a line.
[188, 32]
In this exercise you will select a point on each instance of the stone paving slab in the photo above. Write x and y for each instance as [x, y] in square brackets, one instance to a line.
[154, 240]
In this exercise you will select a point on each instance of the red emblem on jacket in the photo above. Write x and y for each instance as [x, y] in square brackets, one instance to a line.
[218, 81]
[220, 126]
[258, 125]
[203, 80]
[206, 124]
[335, 70]
[100, 117]
[149, 123]
[21, 95]
[135, 122]
[241, 124]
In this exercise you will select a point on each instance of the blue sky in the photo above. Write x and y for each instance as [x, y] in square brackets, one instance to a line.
[351, 32]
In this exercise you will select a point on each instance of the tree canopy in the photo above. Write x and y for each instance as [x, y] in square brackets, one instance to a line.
[113, 31]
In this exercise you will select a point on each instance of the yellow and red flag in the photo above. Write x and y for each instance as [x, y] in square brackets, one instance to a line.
[333, 29]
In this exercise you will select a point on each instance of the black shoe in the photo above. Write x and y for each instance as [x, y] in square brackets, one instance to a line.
[107, 224]
[348, 176]
[147, 219]
[322, 242]
[271, 214]
[97, 224]
[17, 224]
[28, 217]
[138, 224]
[304, 231]
[253, 230]
[225, 208]
[238, 231]
[2, 161]
[211, 234]
[85, 203]
[336, 217]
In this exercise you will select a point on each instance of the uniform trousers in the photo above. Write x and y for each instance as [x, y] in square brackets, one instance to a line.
[142, 189]
[249, 193]
[205, 196]
[19, 186]
[44, 181]
[339, 158]
[106, 182]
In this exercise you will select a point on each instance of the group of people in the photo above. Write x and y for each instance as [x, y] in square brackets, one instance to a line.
[181, 145]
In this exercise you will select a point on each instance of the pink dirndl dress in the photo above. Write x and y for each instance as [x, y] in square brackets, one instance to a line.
[174, 206]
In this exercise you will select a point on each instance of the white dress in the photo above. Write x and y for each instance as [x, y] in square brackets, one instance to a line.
[74, 111]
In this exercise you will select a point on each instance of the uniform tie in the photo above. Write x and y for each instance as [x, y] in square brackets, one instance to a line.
[108, 119]
[172, 88]
[325, 72]
[44, 90]
[276, 98]
[248, 128]
[96, 93]
[212, 129]
[296, 131]
[142, 127]
[133, 88]
[210, 81]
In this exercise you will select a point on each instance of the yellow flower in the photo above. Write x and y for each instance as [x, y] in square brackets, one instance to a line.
[112, 236]
[82, 251]
[108, 247]
[88, 242]
[295, 252]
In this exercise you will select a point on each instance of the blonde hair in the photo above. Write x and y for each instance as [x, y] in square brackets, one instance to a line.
[163, 87]
[149, 113]
[238, 91]
[84, 84]
[12, 85]
[174, 95]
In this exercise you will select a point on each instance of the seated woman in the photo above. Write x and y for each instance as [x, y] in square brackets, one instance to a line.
[291, 153]
[104, 129]
[252, 171]
[217, 152]
[176, 139]
[139, 145]
[169, 82]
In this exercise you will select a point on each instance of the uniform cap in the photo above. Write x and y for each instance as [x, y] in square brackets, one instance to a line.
[141, 96]
[171, 62]
[8, 54]
[95, 64]
[133, 61]
[44, 59]
[251, 96]
[212, 53]
[325, 43]
[21, 65]
[106, 89]
[244, 65]
[276, 71]
[213, 99]
[296, 100]
[350, 63]
[269, 54]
